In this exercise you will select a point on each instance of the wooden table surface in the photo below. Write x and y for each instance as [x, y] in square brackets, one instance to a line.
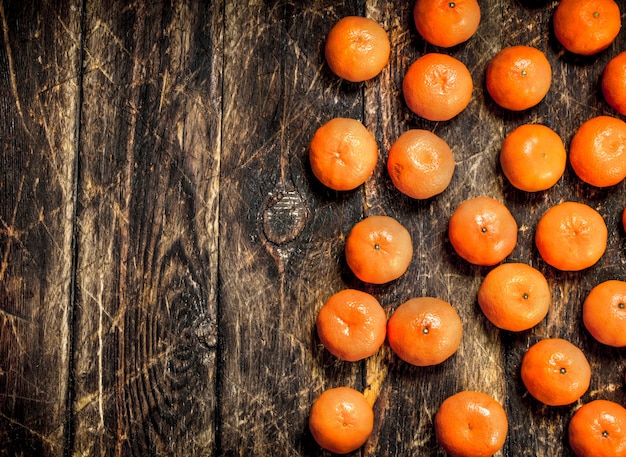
[165, 248]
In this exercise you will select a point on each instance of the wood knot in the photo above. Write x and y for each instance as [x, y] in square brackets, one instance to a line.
[285, 216]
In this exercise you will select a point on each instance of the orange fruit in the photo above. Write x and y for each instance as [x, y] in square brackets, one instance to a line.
[586, 27]
[555, 372]
[357, 48]
[352, 325]
[518, 77]
[597, 151]
[482, 231]
[571, 236]
[598, 429]
[533, 157]
[446, 23]
[437, 87]
[604, 313]
[341, 420]
[420, 164]
[514, 296]
[378, 249]
[471, 424]
[424, 331]
[613, 83]
[343, 154]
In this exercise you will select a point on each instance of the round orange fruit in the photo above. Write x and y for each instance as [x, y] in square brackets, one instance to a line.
[378, 249]
[555, 372]
[571, 236]
[597, 151]
[518, 77]
[613, 83]
[437, 87]
[446, 23]
[341, 420]
[420, 164]
[357, 48]
[533, 157]
[424, 331]
[604, 313]
[586, 27]
[514, 296]
[482, 231]
[343, 154]
[598, 429]
[471, 424]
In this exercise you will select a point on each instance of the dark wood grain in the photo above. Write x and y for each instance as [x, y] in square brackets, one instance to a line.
[38, 125]
[165, 248]
[146, 322]
[282, 233]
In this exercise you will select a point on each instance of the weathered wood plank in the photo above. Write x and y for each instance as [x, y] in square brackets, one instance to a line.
[281, 232]
[409, 396]
[147, 272]
[39, 68]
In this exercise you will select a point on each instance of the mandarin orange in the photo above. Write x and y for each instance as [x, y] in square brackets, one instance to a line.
[446, 23]
[357, 48]
[341, 420]
[518, 77]
[437, 87]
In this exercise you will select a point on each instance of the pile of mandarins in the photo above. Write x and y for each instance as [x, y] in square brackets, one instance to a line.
[570, 236]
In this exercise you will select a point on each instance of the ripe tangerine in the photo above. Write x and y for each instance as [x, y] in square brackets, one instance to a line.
[437, 87]
[343, 154]
[420, 164]
[446, 23]
[352, 325]
[518, 77]
[555, 372]
[424, 331]
[378, 249]
[471, 423]
[341, 420]
[482, 231]
[357, 48]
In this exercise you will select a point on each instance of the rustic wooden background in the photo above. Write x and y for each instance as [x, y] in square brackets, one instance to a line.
[164, 247]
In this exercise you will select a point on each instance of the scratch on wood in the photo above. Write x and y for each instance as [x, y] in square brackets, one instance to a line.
[12, 76]
[44, 438]
[9, 228]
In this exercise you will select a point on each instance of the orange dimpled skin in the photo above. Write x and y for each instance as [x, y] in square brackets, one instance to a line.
[571, 236]
[357, 48]
[518, 77]
[598, 429]
[613, 83]
[341, 420]
[482, 231]
[420, 164]
[424, 331]
[514, 296]
[555, 372]
[352, 325]
[446, 23]
[533, 157]
[604, 313]
[343, 154]
[471, 424]
[586, 27]
[597, 151]
[437, 87]
[378, 249]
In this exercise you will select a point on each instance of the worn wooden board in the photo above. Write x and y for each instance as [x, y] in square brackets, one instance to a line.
[38, 100]
[146, 315]
[165, 247]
